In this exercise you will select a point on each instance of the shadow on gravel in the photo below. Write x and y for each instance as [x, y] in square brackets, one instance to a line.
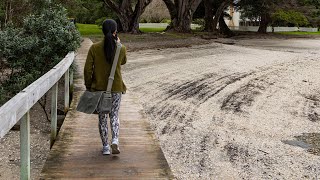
[309, 141]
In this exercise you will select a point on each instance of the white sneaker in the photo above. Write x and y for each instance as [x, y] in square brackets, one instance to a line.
[115, 146]
[106, 150]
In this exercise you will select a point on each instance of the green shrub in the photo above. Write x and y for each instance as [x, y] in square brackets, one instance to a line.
[90, 29]
[199, 22]
[155, 19]
[31, 51]
[168, 21]
[289, 18]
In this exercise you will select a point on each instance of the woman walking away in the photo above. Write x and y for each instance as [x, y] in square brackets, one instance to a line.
[96, 73]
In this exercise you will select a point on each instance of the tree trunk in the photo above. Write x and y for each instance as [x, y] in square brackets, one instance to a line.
[172, 8]
[265, 19]
[173, 13]
[125, 23]
[135, 27]
[7, 13]
[224, 29]
[184, 19]
[181, 12]
[208, 16]
[138, 10]
[129, 19]
[219, 11]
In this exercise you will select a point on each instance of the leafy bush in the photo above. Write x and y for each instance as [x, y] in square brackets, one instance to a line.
[289, 18]
[29, 52]
[200, 22]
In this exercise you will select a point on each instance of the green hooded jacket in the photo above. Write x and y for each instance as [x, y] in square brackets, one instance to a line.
[97, 70]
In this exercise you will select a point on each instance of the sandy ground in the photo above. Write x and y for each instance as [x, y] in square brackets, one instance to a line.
[250, 110]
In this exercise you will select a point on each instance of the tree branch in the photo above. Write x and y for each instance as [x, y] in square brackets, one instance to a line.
[138, 10]
[194, 5]
[113, 6]
[126, 5]
[43, 103]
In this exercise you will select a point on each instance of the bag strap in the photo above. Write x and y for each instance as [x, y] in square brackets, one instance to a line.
[114, 67]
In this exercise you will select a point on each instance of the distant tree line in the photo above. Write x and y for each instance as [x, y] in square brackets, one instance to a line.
[182, 12]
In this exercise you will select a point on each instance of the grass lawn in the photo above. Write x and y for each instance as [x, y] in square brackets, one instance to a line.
[300, 33]
[95, 30]
[146, 30]
[89, 29]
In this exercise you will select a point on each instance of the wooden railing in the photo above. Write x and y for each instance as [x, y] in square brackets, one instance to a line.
[17, 109]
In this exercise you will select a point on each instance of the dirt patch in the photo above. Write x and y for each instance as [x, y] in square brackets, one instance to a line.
[312, 107]
[158, 41]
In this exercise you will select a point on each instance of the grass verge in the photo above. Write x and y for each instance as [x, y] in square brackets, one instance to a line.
[89, 29]
[299, 33]
[146, 30]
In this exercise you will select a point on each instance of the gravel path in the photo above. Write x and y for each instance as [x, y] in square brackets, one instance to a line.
[244, 111]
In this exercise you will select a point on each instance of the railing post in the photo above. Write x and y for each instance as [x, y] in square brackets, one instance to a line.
[71, 81]
[54, 91]
[66, 91]
[25, 147]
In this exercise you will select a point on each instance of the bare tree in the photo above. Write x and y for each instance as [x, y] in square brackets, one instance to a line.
[14, 11]
[181, 12]
[129, 17]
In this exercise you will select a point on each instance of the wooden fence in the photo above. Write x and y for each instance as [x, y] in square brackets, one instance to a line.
[17, 109]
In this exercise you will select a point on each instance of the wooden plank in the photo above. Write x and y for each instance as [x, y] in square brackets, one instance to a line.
[54, 107]
[25, 147]
[15, 108]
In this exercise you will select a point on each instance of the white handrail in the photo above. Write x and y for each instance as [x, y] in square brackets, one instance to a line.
[18, 106]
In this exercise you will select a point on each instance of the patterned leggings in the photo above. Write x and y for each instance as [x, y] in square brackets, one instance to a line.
[114, 120]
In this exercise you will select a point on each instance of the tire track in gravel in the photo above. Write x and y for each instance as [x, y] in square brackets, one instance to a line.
[178, 106]
[209, 85]
[204, 88]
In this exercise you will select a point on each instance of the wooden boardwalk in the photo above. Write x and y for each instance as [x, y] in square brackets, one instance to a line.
[76, 153]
